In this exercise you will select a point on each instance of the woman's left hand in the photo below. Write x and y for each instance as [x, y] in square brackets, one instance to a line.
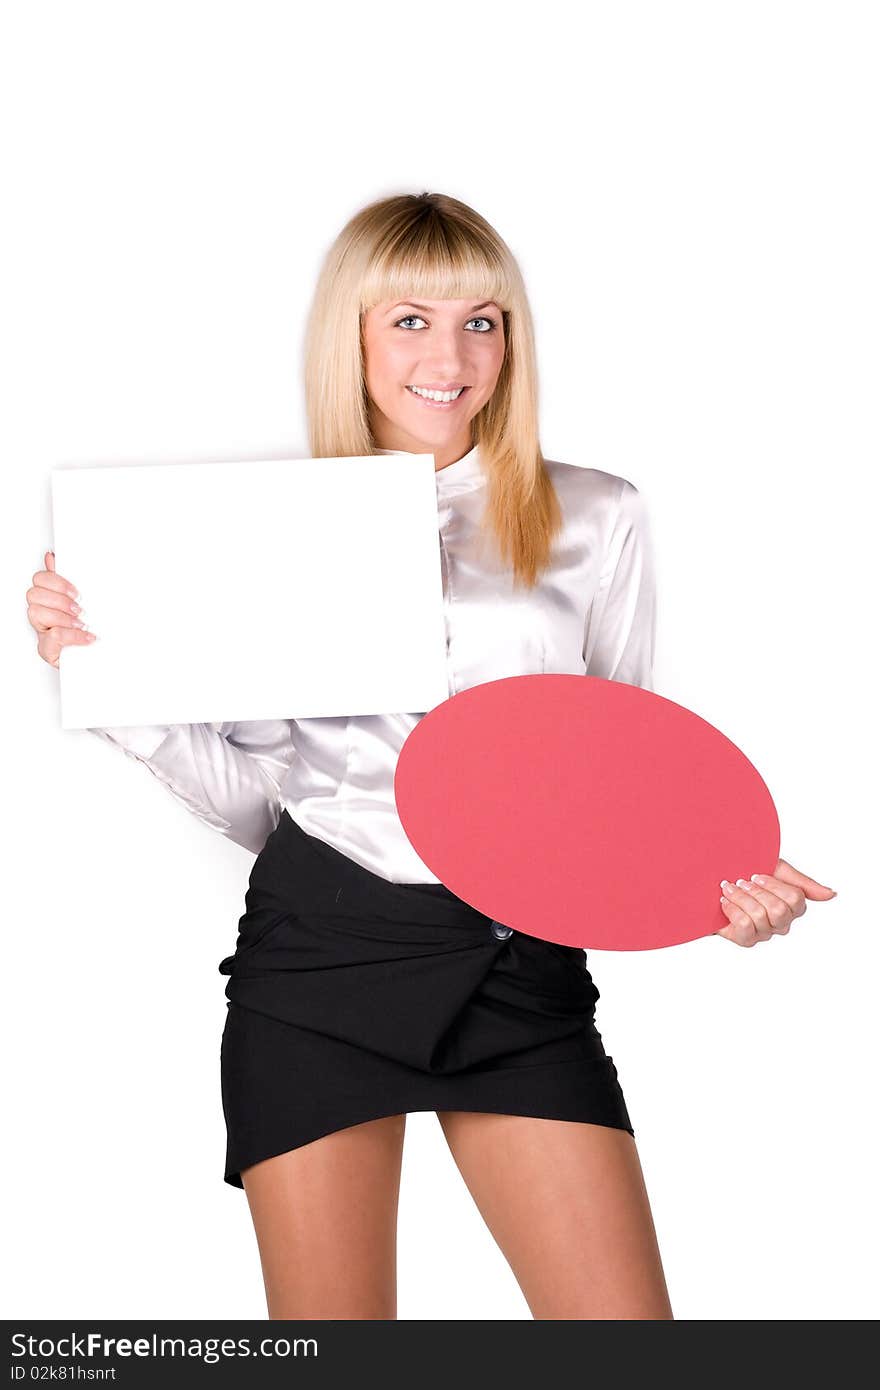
[768, 905]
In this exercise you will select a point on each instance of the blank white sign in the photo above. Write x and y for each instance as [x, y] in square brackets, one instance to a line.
[280, 589]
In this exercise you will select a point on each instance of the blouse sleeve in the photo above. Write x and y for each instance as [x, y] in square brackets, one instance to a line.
[621, 625]
[229, 775]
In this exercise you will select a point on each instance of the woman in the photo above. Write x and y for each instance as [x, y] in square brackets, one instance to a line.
[361, 988]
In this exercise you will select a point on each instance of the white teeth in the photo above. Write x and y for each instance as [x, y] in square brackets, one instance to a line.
[436, 395]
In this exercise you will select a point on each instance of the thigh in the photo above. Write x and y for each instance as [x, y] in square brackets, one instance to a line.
[567, 1205]
[325, 1216]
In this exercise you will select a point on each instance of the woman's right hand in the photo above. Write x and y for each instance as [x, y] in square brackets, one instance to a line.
[53, 613]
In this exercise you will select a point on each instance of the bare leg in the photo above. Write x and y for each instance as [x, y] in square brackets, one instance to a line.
[325, 1217]
[567, 1205]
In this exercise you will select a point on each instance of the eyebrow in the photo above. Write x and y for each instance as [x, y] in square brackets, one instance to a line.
[409, 303]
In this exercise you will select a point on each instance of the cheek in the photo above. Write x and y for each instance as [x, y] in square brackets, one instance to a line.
[386, 369]
[491, 363]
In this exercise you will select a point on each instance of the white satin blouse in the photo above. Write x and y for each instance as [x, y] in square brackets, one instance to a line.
[593, 612]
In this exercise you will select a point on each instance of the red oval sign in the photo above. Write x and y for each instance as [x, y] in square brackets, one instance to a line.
[584, 811]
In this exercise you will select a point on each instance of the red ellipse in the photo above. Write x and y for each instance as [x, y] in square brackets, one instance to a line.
[584, 811]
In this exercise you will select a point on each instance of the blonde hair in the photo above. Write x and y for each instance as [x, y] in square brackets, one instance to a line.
[429, 245]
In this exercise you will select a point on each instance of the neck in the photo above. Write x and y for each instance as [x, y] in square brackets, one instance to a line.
[387, 435]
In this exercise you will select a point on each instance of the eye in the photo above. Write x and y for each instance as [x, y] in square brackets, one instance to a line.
[409, 318]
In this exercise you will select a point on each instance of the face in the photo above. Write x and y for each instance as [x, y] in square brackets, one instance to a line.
[437, 343]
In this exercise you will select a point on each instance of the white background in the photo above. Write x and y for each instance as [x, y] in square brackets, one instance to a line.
[691, 191]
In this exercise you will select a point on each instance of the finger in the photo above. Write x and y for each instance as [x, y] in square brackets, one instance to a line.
[51, 643]
[741, 930]
[49, 557]
[71, 636]
[41, 597]
[810, 887]
[48, 579]
[781, 908]
[749, 905]
[42, 617]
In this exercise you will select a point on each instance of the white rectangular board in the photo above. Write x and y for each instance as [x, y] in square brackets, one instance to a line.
[277, 589]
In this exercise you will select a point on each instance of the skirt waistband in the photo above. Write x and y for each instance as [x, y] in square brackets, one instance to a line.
[305, 874]
[307, 901]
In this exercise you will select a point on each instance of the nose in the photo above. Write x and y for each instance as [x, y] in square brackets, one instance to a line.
[448, 361]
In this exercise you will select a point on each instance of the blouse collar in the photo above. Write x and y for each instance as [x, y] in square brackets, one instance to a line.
[462, 476]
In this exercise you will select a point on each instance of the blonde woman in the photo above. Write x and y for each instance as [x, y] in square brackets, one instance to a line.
[361, 989]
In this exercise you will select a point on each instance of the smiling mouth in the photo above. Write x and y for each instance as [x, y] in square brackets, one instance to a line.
[441, 404]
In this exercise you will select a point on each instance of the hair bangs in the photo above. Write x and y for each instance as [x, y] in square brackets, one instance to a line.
[435, 262]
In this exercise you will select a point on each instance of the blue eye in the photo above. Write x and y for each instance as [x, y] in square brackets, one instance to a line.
[482, 319]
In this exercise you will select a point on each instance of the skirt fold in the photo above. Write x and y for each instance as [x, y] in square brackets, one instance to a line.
[351, 997]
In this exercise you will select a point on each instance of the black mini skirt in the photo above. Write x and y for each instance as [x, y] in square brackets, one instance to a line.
[351, 998]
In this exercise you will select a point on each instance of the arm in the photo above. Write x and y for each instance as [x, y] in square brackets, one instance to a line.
[229, 775]
[621, 625]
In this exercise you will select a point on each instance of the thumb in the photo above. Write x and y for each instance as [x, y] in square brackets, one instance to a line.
[818, 892]
[50, 560]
